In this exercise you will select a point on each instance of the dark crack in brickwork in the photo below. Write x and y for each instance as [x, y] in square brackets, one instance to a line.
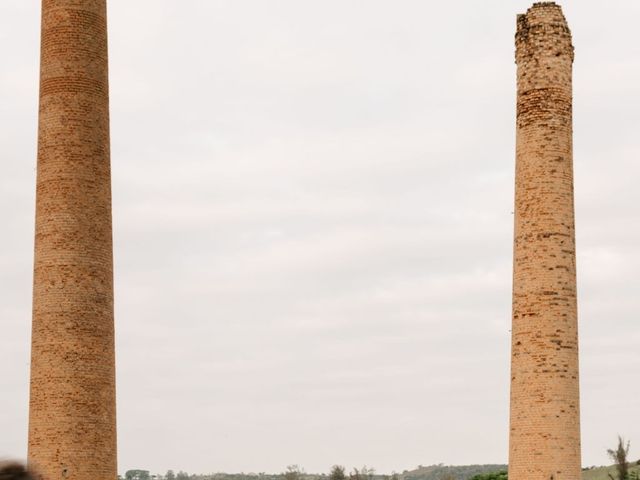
[72, 423]
[545, 411]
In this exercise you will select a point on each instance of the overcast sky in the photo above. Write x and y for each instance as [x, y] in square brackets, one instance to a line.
[313, 229]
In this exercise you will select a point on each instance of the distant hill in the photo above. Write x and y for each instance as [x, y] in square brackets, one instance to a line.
[465, 472]
[602, 473]
[442, 472]
[431, 472]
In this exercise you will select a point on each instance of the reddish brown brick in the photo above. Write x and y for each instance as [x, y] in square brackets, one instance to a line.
[545, 409]
[72, 424]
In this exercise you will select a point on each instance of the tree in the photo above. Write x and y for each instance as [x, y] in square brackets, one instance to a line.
[137, 475]
[293, 472]
[363, 474]
[337, 473]
[619, 457]
[170, 475]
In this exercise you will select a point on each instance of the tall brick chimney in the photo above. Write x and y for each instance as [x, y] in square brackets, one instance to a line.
[72, 422]
[545, 411]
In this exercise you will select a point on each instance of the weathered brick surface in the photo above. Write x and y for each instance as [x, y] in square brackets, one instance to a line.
[72, 425]
[545, 417]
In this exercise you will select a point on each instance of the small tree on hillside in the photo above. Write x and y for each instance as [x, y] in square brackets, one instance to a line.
[137, 475]
[293, 472]
[337, 473]
[363, 474]
[182, 475]
[619, 457]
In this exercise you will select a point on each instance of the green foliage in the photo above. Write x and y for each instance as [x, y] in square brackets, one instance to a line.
[619, 457]
[442, 472]
[337, 473]
[363, 474]
[293, 472]
[605, 473]
[491, 476]
[137, 475]
[432, 472]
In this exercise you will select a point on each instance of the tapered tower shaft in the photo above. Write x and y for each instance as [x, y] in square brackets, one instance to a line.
[545, 416]
[72, 425]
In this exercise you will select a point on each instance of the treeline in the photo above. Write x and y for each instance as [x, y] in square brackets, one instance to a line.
[337, 472]
[452, 472]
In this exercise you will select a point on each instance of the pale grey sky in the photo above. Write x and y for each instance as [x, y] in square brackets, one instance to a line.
[313, 229]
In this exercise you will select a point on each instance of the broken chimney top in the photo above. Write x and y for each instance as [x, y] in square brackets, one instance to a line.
[543, 31]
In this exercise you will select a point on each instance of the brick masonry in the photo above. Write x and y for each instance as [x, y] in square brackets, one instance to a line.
[545, 412]
[72, 423]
